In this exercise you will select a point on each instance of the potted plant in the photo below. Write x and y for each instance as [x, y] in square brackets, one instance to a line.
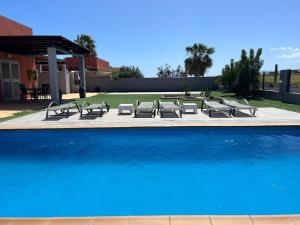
[33, 75]
[82, 93]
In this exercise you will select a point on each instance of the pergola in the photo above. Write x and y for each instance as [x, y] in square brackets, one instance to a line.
[46, 45]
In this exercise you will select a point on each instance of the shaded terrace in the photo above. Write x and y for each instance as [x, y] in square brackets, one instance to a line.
[51, 46]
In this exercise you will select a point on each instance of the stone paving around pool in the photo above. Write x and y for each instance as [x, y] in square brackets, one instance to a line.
[158, 220]
[264, 117]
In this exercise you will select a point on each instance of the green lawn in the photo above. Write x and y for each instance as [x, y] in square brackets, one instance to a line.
[16, 115]
[262, 102]
[115, 100]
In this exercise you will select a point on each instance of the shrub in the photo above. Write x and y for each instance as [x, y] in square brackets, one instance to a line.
[186, 88]
[127, 72]
[167, 72]
[229, 76]
[242, 77]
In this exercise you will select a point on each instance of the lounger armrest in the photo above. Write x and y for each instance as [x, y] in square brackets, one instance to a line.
[78, 106]
[219, 99]
[247, 103]
[85, 103]
[224, 101]
[53, 103]
[107, 105]
[154, 104]
[137, 103]
[204, 101]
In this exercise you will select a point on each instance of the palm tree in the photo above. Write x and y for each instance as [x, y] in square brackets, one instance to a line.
[198, 60]
[86, 41]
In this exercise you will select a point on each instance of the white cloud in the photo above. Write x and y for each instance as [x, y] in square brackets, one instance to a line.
[291, 55]
[285, 49]
[287, 52]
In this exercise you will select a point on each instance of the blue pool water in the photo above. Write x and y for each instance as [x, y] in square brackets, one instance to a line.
[150, 171]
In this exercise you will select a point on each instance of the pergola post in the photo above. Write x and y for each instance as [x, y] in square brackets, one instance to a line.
[82, 76]
[52, 62]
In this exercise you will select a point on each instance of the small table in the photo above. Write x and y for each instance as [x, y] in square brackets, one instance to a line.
[125, 107]
[189, 106]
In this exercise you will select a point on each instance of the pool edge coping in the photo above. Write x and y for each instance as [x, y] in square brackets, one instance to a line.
[287, 219]
[105, 126]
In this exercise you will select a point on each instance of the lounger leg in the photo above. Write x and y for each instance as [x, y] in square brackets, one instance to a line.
[47, 114]
[233, 111]
[81, 113]
[209, 112]
[202, 105]
[101, 112]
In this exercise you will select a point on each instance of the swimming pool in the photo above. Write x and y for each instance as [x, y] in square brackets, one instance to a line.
[153, 171]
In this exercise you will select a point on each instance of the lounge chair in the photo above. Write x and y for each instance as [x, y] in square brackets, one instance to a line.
[61, 109]
[94, 107]
[169, 107]
[237, 106]
[215, 106]
[145, 107]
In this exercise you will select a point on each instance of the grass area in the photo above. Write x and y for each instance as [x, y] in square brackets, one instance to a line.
[16, 115]
[115, 100]
[262, 102]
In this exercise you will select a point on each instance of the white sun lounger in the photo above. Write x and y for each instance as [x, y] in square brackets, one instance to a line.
[61, 109]
[169, 107]
[215, 106]
[237, 106]
[145, 107]
[90, 108]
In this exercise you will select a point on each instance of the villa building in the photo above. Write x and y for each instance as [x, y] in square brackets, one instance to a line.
[23, 54]
[13, 67]
[91, 63]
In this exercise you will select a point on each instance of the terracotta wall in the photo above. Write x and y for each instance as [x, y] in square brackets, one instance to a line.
[90, 62]
[9, 27]
[102, 64]
[25, 62]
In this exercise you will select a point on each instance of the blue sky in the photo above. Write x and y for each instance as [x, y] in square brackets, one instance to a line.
[150, 33]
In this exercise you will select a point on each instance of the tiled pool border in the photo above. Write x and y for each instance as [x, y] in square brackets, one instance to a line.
[175, 124]
[159, 220]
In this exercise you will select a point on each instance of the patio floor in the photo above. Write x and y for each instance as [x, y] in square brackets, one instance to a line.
[10, 108]
[264, 117]
[158, 220]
